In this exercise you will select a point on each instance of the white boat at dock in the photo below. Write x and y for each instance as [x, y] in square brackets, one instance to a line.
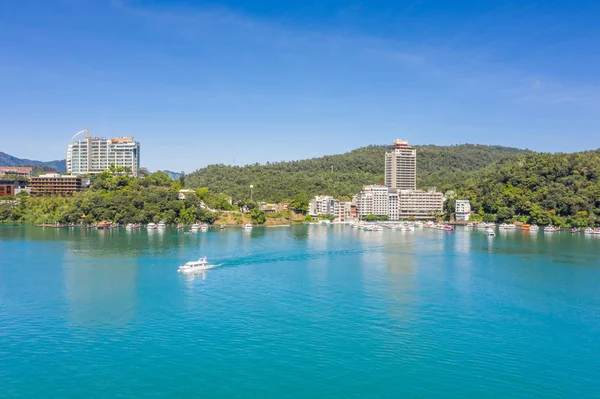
[151, 226]
[490, 232]
[247, 227]
[161, 225]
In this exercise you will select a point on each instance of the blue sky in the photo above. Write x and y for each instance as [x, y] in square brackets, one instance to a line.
[200, 82]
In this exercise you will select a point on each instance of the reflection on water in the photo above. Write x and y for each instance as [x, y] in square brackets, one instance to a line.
[106, 314]
[99, 293]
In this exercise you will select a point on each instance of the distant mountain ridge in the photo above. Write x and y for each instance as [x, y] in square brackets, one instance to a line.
[172, 175]
[9, 160]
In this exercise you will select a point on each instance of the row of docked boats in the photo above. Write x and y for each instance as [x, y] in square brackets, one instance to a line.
[399, 226]
[592, 231]
[439, 226]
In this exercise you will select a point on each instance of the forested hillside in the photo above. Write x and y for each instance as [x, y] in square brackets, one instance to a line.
[343, 175]
[119, 199]
[541, 188]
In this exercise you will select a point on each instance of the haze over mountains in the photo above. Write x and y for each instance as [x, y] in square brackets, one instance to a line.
[9, 160]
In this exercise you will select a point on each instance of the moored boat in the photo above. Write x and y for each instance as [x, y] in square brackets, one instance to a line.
[104, 225]
[247, 226]
[534, 227]
[151, 226]
[490, 232]
[575, 230]
[161, 225]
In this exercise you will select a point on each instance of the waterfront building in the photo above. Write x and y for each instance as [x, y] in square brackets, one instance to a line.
[463, 210]
[12, 187]
[401, 166]
[21, 171]
[375, 200]
[57, 184]
[420, 204]
[322, 205]
[94, 155]
[327, 205]
[343, 211]
[394, 208]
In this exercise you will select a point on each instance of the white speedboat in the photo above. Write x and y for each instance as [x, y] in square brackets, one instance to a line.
[195, 266]
[195, 226]
[418, 224]
[151, 226]
[203, 227]
[247, 226]
[551, 229]
[129, 226]
[534, 227]
[490, 232]
[161, 225]
[469, 225]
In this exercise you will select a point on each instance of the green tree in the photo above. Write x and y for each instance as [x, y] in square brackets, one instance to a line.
[258, 216]
[299, 203]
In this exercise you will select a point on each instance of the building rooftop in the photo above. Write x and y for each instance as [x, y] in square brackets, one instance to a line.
[399, 143]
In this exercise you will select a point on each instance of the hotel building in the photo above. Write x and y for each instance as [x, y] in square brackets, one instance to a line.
[54, 183]
[399, 199]
[94, 155]
[401, 166]
[375, 200]
[420, 204]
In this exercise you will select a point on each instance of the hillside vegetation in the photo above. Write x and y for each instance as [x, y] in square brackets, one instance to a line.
[541, 188]
[119, 199]
[440, 166]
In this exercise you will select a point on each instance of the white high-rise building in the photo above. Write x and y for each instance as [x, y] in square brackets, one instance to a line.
[463, 210]
[96, 154]
[401, 166]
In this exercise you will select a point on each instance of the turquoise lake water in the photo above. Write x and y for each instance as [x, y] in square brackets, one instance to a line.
[299, 312]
